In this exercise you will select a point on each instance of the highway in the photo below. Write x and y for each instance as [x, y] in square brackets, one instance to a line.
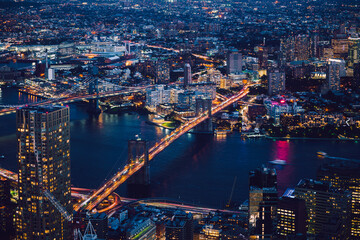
[120, 177]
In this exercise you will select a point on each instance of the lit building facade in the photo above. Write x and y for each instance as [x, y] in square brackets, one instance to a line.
[291, 217]
[276, 81]
[7, 207]
[354, 52]
[43, 138]
[302, 47]
[234, 63]
[327, 209]
[180, 227]
[340, 47]
[187, 75]
[157, 95]
[333, 75]
[345, 175]
[287, 48]
[162, 72]
[357, 75]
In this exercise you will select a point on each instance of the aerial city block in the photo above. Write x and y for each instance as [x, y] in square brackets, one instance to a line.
[179, 119]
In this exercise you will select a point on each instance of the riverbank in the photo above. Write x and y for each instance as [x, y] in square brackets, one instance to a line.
[159, 125]
[306, 138]
[29, 93]
[119, 109]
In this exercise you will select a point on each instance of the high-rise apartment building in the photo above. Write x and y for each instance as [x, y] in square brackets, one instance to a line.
[333, 73]
[234, 62]
[345, 175]
[314, 46]
[287, 49]
[262, 202]
[356, 75]
[340, 47]
[327, 209]
[276, 81]
[162, 72]
[354, 52]
[187, 75]
[43, 138]
[302, 47]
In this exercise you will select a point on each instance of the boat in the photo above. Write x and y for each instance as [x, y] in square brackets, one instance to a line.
[321, 154]
[278, 162]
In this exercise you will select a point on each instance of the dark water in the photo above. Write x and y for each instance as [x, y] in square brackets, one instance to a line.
[196, 168]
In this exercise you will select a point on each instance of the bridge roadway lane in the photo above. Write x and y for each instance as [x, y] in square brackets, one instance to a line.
[75, 99]
[129, 169]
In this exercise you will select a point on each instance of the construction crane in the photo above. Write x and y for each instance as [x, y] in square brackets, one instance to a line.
[90, 233]
[77, 234]
[45, 192]
[232, 192]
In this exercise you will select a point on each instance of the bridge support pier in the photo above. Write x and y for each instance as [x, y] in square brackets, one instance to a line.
[138, 185]
[94, 106]
[202, 105]
[94, 103]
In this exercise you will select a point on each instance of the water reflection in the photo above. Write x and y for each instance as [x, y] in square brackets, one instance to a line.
[282, 149]
[285, 173]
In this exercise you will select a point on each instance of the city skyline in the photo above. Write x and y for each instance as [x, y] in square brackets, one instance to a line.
[178, 119]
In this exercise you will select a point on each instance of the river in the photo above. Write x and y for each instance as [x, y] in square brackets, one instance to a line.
[198, 169]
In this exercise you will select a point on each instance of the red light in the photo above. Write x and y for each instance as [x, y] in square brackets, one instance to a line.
[282, 101]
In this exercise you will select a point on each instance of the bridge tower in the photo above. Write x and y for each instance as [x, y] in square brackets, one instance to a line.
[202, 105]
[138, 185]
[94, 103]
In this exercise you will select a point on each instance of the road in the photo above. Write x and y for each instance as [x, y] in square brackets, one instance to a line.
[71, 99]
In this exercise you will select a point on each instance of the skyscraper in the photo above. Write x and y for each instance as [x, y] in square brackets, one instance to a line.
[287, 49]
[187, 75]
[333, 75]
[327, 209]
[276, 81]
[262, 202]
[262, 54]
[314, 45]
[43, 136]
[345, 175]
[291, 217]
[234, 62]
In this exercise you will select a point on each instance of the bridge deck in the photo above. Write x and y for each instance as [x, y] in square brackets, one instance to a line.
[121, 176]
